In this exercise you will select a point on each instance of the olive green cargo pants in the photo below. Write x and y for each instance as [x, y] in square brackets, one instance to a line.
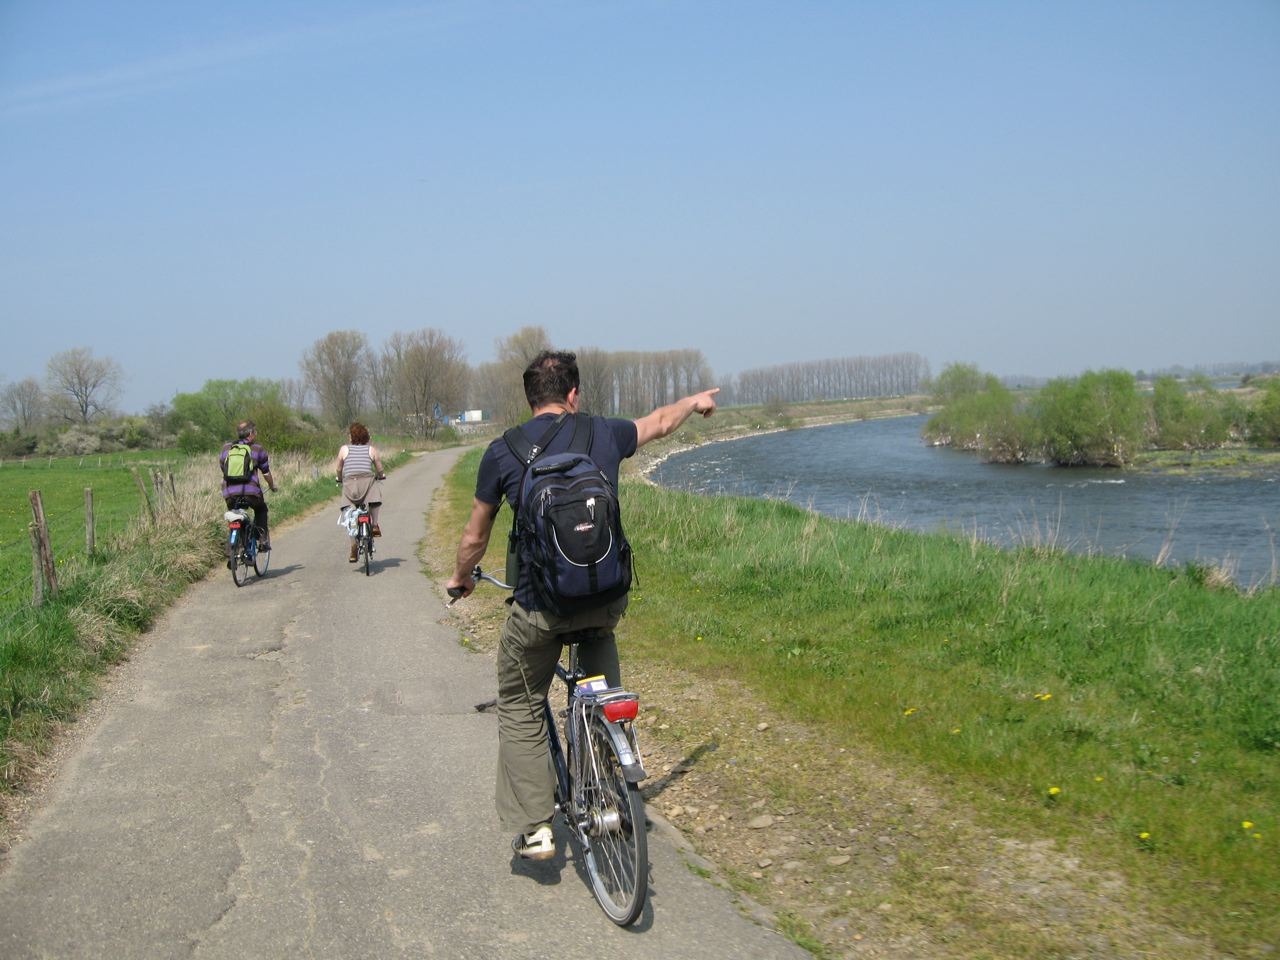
[528, 650]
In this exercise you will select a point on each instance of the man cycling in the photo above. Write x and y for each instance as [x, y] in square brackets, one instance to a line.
[531, 637]
[248, 491]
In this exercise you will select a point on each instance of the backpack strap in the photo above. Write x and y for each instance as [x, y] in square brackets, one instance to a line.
[527, 452]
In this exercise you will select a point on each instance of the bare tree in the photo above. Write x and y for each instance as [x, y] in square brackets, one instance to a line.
[336, 369]
[514, 353]
[81, 386]
[23, 404]
[595, 367]
[426, 371]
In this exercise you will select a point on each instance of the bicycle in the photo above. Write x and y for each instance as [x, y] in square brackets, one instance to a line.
[242, 544]
[363, 535]
[361, 528]
[598, 769]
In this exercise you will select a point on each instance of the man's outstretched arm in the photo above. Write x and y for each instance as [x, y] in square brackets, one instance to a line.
[666, 420]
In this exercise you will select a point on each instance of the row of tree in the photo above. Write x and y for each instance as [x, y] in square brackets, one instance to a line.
[1102, 418]
[838, 378]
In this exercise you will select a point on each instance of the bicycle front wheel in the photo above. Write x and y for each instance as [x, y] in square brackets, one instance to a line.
[260, 562]
[366, 544]
[615, 844]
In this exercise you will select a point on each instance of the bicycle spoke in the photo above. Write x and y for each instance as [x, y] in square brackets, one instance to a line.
[616, 848]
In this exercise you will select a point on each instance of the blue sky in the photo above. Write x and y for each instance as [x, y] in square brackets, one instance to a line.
[203, 190]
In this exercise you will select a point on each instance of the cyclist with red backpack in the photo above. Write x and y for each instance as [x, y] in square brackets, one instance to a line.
[242, 461]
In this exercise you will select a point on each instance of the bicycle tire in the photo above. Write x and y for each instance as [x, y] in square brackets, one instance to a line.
[239, 569]
[261, 561]
[611, 828]
[366, 544]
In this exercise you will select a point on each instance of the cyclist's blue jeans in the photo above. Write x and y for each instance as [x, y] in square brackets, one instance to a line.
[527, 654]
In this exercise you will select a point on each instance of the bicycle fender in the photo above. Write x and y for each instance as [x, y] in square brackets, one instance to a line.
[632, 769]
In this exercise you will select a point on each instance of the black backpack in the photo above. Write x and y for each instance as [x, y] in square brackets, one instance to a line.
[567, 534]
[238, 466]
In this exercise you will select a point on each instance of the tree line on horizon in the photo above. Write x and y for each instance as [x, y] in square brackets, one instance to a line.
[416, 384]
[1101, 418]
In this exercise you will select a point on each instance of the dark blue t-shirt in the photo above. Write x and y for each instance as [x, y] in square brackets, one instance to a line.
[612, 441]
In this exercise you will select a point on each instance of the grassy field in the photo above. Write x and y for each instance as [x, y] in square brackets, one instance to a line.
[1124, 712]
[62, 482]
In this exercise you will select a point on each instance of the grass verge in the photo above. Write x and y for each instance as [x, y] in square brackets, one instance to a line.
[1023, 707]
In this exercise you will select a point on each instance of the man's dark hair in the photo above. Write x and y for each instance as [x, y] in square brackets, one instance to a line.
[244, 428]
[549, 377]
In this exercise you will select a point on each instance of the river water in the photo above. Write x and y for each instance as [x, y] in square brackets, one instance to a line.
[882, 471]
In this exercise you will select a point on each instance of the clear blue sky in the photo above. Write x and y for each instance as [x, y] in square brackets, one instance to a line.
[202, 190]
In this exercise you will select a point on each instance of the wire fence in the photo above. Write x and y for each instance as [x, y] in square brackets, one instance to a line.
[72, 525]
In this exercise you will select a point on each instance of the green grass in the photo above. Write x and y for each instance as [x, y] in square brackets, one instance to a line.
[1111, 704]
[61, 483]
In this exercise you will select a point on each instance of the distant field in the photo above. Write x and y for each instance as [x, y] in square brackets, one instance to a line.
[62, 482]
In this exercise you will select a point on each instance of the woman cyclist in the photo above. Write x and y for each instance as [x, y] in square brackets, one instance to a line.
[359, 470]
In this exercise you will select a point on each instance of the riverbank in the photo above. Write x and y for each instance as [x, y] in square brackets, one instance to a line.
[735, 423]
[905, 744]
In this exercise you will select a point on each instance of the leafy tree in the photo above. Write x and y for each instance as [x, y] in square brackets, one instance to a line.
[80, 386]
[207, 419]
[1097, 420]
[980, 413]
[1186, 420]
[1264, 418]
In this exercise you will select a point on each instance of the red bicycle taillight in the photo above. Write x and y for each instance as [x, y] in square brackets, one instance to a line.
[621, 710]
[235, 525]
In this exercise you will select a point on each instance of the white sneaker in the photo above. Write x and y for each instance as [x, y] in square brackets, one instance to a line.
[538, 845]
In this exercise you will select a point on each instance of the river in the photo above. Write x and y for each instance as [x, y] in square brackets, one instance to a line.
[880, 470]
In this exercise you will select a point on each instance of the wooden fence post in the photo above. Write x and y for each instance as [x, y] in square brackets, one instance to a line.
[146, 500]
[37, 570]
[157, 482]
[88, 522]
[45, 551]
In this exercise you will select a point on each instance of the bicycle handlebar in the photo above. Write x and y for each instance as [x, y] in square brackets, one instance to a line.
[477, 574]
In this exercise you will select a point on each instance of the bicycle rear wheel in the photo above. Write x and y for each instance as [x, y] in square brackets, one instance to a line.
[612, 822]
[239, 569]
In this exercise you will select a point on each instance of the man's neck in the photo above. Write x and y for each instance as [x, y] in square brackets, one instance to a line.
[555, 408]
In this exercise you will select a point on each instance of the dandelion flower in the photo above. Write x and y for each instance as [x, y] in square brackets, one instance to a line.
[1054, 791]
[909, 711]
[1144, 835]
[1099, 778]
[955, 729]
[1247, 825]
